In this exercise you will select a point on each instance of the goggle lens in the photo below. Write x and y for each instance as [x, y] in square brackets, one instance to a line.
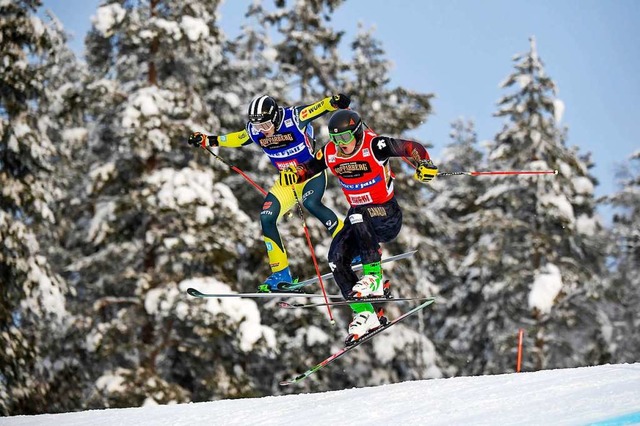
[343, 138]
[263, 127]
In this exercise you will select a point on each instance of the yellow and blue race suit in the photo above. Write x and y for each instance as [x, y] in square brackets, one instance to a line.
[291, 144]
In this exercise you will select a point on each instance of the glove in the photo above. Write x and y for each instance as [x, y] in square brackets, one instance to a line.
[426, 171]
[340, 100]
[289, 176]
[200, 139]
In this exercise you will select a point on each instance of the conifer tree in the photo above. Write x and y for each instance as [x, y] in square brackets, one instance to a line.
[253, 60]
[367, 76]
[308, 53]
[33, 313]
[536, 257]
[625, 250]
[157, 216]
[455, 204]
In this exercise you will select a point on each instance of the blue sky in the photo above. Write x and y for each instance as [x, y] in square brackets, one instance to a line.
[461, 50]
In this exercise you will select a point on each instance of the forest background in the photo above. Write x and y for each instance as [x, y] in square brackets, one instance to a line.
[107, 216]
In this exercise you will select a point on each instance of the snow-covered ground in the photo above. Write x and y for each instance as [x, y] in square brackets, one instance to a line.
[602, 395]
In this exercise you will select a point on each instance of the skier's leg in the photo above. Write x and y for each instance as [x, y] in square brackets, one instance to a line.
[364, 235]
[340, 252]
[379, 223]
[276, 203]
[343, 248]
[385, 220]
[312, 193]
[367, 245]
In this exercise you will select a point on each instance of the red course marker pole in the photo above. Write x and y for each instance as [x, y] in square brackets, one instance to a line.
[519, 362]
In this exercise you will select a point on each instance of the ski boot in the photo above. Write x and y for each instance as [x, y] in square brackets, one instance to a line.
[364, 323]
[371, 285]
[277, 282]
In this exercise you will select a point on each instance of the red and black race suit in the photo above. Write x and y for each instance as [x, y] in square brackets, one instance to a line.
[365, 175]
[367, 182]
[364, 178]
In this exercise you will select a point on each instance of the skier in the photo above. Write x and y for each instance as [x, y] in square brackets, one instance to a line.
[360, 160]
[286, 136]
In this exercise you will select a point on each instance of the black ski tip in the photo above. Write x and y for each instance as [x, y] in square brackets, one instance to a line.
[193, 292]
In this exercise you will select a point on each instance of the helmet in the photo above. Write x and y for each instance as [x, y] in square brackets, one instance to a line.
[344, 125]
[263, 113]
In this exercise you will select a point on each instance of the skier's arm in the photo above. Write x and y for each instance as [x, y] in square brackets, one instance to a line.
[234, 140]
[230, 140]
[306, 114]
[302, 172]
[384, 148]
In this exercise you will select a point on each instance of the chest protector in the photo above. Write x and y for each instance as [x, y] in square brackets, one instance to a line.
[289, 145]
[364, 179]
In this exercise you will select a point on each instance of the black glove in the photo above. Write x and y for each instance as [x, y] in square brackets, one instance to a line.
[200, 139]
[340, 100]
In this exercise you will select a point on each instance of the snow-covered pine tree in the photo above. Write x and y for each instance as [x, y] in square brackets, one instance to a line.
[308, 48]
[63, 107]
[33, 313]
[625, 250]
[536, 255]
[455, 204]
[367, 76]
[156, 217]
[254, 57]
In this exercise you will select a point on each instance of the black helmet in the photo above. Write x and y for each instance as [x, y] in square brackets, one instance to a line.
[343, 125]
[264, 109]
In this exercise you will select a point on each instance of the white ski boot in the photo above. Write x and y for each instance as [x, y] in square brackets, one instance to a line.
[362, 323]
[369, 286]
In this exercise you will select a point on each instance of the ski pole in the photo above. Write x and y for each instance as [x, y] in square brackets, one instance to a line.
[313, 255]
[501, 172]
[496, 172]
[237, 170]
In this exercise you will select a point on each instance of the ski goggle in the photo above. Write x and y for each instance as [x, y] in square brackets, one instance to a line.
[343, 138]
[263, 127]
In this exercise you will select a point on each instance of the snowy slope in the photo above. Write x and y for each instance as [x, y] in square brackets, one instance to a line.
[608, 394]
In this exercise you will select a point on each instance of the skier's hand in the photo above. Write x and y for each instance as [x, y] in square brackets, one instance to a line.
[340, 100]
[426, 171]
[289, 176]
[200, 139]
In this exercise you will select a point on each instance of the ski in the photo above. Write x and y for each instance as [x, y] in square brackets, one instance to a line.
[357, 267]
[197, 293]
[357, 343]
[288, 305]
